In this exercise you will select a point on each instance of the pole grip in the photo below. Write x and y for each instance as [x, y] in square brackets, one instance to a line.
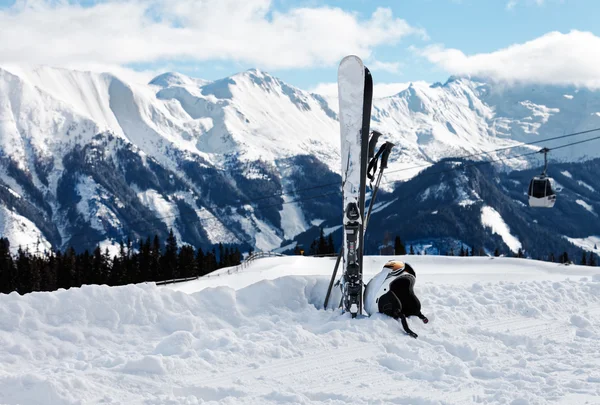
[386, 154]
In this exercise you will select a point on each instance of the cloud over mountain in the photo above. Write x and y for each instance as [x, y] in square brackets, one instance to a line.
[251, 31]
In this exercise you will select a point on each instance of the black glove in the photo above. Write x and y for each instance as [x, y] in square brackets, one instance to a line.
[423, 318]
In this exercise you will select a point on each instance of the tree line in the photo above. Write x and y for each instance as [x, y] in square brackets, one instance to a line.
[146, 260]
[319, 246]
[587, 259]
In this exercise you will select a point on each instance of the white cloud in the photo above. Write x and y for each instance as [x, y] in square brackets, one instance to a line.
[554, 58]
[380, 90]
[328, 90]
[390, 67]
[513, 3]
[60, 32]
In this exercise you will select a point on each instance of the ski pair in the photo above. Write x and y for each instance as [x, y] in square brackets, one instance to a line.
[355, 89]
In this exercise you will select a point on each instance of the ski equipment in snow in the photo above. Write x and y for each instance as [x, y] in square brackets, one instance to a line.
[392, 292]
[355, 89]
[357, 150]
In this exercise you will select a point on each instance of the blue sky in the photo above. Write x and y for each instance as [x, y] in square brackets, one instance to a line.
[402, 40]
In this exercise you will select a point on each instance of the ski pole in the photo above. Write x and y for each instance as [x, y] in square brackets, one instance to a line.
[337, 265]
[386, 149]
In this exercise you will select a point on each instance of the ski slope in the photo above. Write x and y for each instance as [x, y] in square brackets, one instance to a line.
[501, 331]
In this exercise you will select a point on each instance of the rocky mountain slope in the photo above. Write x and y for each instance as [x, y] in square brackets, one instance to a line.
[89, 158]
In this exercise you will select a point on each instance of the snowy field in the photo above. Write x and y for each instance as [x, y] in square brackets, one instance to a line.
[501, 331]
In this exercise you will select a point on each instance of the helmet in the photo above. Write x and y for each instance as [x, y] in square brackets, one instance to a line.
[398, 267]
[395, 265]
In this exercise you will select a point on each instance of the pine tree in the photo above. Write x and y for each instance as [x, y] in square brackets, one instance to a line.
[412, 251]
[186, 261]
[156, 271]
[65, 269]
[462, 251]
[583, 258]
[144, 260]
[451, 252]
[227, 257]
[496, 252]
[297, 250]
[128, 271]
[322, 244]
[84, 263]
[592, 261]
[116, 275]
[399, 248]
[24, 280]
[520, 253]
[200, 263]
[330, 244]
[212, 263]
[169, 259]
[48, 272]
[7, 268]
[313, 248]
[99, 267]
[552, 258]
[237, 257]
[221, 262]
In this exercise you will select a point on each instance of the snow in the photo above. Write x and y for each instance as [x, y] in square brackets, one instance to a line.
[436, 192]
[286, 248]
[216, 231]
[584, 184]
[501, 330]
[21, 232]
[92, 207]
[166, 211]
[317, 222]
[45, 112]
[591, 243]
[266, 238]
[112, 246]
[492, 219]
[11, 191]
[327, 231]
[381, 206]
[293, 221]
[567, 174]
[585, 205]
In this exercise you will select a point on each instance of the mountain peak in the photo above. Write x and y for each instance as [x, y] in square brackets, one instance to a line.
[176, 79]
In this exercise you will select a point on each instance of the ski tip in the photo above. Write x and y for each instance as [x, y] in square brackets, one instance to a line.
[351, 59]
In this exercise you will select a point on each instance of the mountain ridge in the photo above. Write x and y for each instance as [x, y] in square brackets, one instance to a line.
[73, 144]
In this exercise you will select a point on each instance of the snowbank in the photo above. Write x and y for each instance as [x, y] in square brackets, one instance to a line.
[491, 339]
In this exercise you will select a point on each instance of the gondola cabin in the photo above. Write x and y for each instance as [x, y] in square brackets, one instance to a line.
[540, 192]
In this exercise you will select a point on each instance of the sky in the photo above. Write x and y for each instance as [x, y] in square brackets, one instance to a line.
[302, 41]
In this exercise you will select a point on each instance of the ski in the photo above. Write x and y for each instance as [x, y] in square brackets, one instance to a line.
[355, 89]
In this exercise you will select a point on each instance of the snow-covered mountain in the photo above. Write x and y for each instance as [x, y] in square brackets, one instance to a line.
[463, 204]
[88, 158]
